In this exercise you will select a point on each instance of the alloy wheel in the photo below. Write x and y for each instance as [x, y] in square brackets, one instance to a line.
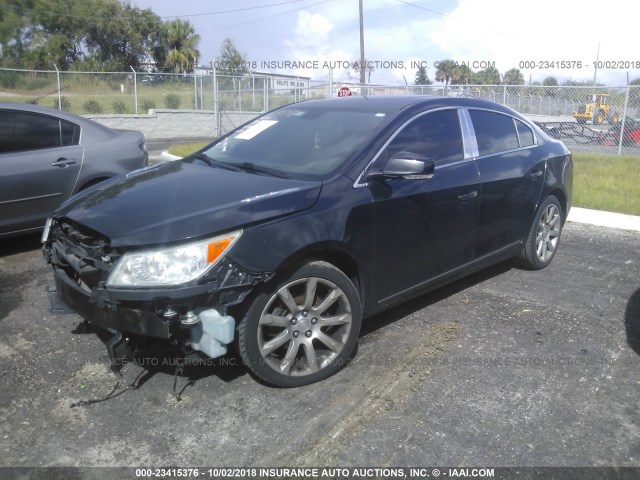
[304, 326]
[548, 233]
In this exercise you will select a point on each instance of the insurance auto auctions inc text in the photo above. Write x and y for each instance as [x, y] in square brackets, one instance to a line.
[347, 64]
[373, 472]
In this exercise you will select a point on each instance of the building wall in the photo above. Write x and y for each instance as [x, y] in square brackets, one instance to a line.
[169, 124]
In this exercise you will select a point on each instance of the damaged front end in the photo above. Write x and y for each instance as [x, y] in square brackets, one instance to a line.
[181, 293]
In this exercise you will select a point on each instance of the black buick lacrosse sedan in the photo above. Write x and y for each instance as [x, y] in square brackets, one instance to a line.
[284, 234]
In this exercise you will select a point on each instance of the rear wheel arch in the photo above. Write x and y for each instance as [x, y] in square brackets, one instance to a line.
[541, 243]
[562, 198]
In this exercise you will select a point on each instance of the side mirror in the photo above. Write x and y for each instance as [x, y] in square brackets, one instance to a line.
[407, 165]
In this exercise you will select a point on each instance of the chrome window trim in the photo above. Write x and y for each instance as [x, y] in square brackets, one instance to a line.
[468, 134]
[358, 183]
[523, 120]
[515, 122]
[515, 127]
[453, 164]
[505, 151]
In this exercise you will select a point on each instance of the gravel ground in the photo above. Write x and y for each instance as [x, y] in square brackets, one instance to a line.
[505, 368]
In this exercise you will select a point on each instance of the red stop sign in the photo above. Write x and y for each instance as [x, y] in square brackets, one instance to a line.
[344, 92]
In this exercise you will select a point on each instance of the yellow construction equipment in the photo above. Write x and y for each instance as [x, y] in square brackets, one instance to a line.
[598, 110]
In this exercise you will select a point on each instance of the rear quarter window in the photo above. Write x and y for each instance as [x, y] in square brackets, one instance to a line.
[525, 134]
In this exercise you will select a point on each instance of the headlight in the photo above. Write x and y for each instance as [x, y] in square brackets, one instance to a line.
[170, 266]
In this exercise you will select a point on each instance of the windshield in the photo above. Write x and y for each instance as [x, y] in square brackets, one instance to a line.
[297, 141]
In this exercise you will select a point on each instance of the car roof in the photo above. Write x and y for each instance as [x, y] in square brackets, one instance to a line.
[397, 103]
[30, 107]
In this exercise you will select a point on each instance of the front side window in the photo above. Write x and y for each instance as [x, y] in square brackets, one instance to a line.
[23, 131]
[436, 136]
[495, 132]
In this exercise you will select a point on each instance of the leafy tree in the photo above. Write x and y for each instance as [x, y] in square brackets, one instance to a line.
[105, 34]
[123, 36]
[488, 76]
[451, 72]
[182, 44]
[446, 71]
[232, 60]
[550, 82]
[513, 77]
[462, 75]
[421, 77]
[15, 18]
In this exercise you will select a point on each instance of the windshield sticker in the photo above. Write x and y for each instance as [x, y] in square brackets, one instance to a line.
[254, 130]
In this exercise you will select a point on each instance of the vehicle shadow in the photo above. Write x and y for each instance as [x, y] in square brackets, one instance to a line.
[396, 313]
[11, 282]
[162, 358]
[632, 321]
[21, 244]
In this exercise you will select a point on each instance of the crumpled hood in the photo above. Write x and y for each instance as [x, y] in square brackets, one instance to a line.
[182, 200]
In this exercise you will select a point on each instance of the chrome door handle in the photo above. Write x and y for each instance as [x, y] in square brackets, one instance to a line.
[63, 162]
[468, 196]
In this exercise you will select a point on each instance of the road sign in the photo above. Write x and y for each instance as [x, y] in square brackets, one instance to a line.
[344, 92]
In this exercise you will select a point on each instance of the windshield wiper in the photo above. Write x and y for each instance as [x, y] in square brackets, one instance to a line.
[253, 168]
[215, 163]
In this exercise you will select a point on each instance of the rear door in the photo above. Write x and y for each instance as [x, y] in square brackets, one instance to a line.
[424, 228]
[40, 161]
[512, 170]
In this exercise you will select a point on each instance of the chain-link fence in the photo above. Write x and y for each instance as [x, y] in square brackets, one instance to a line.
[587, 118]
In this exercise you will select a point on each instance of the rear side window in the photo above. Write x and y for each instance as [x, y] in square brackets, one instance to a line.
[22, 131]
[436, 136]
[494, 132]
[525, 135]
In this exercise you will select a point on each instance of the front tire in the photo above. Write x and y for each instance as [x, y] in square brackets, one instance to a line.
[303, 328]
[542, 241]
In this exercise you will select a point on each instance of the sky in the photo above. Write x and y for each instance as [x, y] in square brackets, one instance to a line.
[535, 36]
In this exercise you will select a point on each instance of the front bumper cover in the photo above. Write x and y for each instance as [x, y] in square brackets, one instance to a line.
[82, 265]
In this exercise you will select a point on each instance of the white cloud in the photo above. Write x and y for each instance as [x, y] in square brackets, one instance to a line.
[509, 32]
[312, 30]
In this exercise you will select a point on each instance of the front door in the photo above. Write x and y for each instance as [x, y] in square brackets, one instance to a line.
[424, 228]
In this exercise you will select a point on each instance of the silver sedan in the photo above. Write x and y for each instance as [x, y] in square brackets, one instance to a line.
[48, 155]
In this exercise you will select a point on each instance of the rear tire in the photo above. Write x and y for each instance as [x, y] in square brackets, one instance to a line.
[303, 328]
[543, 239]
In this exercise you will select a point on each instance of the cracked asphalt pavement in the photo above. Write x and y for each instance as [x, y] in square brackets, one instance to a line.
[505, 368]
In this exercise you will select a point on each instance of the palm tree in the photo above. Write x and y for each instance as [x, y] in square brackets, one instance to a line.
[182, 44]
[446, 71]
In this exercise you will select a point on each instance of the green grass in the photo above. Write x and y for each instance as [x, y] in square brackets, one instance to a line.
[184, 149]
[606, 182]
